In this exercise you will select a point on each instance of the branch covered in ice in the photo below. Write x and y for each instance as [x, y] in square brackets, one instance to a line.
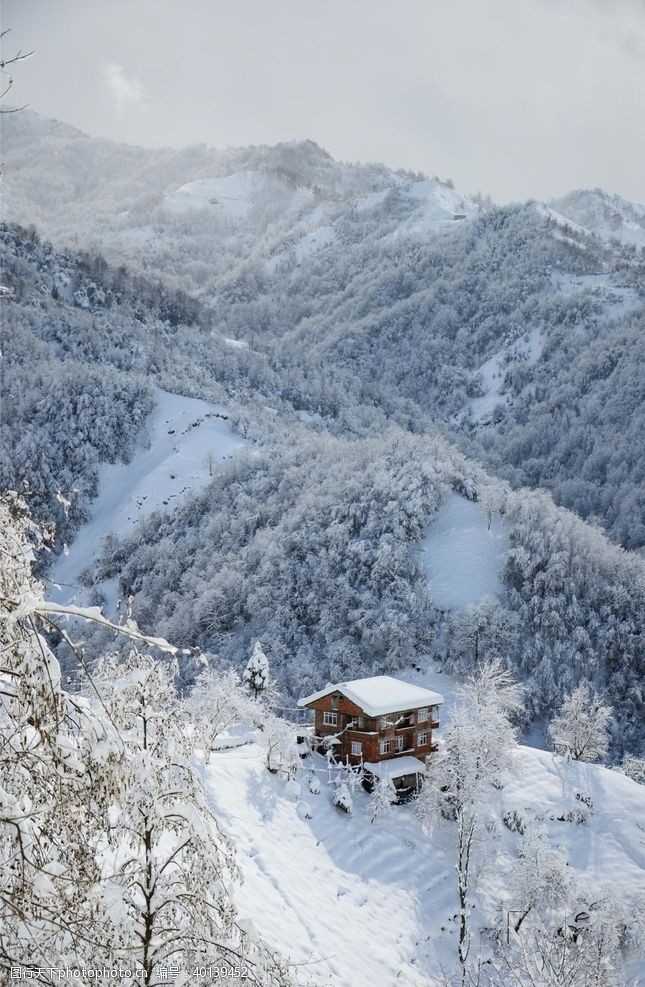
[31, 604]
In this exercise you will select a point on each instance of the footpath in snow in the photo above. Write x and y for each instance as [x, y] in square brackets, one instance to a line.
[184, 442]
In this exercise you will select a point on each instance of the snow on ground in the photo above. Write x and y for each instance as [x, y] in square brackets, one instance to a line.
[462, 555]
[314, 241]
[236, 344]
[187, 439]
[375, 903]
[234, 196]
[309, 243]
[436, 205]
[525, 351]
[607, 216]
[492, 374]
[618, 300]
[366, 202]
[560, 220]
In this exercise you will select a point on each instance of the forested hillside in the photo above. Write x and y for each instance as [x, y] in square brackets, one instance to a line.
[384, 340]
[518, 330]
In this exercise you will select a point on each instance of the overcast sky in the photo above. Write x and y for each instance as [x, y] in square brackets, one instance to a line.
[518, 98]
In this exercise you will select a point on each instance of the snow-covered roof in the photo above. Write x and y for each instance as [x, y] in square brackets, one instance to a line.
[379, 695]
[395, 767]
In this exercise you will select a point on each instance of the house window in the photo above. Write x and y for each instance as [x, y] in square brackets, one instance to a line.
[386, 723]
[357, 748]
[334, 702]
[422, 716]
[360, 722]
[399, 743]
[330, 719]
[422, 739]
[384, 747]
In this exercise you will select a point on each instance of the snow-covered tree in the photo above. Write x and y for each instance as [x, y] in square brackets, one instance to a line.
[540, 879]
[47, 867]
[256, 673]
[581, 726]
[634, 768]
[476, 750]
[343, 798]
[579, 947]
[382, 798]
[168, 867]
[218, 701]
[279, 741]
[109, 852]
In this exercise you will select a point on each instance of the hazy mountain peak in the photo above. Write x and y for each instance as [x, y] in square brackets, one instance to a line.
[605, 214]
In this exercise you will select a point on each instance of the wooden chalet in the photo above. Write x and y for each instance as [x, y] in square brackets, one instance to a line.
[387, 725]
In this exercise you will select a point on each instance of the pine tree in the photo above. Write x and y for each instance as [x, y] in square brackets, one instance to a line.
[256, 673]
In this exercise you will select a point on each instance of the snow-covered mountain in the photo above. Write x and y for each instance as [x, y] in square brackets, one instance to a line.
[385, 339]
[382, 427]
[606, 215]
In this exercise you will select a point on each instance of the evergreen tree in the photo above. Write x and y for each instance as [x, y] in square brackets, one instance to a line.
[256, 673]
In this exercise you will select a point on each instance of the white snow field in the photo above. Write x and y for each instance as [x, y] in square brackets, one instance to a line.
[462, 553]
[376, 903]
[437, 205]
[434, 203]
[183, 442]
[236, 195]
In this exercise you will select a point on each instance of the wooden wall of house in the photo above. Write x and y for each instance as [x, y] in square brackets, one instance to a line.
[371, 731]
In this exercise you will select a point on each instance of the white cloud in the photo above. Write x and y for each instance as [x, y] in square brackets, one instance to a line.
[125, 91]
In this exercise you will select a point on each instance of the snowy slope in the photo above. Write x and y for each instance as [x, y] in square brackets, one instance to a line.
[618, 299]
[462, 555]
[432, 207]
[236, 195]
[525, 352]
[608, 216]
[185, 440]
[374, 903]
[436, 204]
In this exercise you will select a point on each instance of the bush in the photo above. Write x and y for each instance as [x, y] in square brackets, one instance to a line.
[343, 799]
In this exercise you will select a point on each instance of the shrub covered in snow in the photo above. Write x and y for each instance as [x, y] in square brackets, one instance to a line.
[381, 800]
[634, 768]
[343, 798]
